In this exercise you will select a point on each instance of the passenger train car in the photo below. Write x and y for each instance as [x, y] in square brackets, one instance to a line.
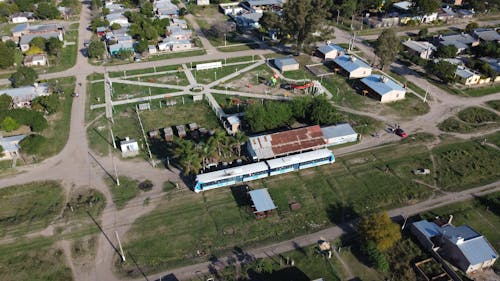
[263, 169]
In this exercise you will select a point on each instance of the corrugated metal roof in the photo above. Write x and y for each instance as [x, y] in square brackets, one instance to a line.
[10, 144]
[350, 63]
[285, 61]
[429, 229]
[339, 130]
[262, 200]
[419, 46]
[464, 72]
[232, 172]
[27, 93]
[298, 158]
[381, 87]
[477, 250]
[328, 48]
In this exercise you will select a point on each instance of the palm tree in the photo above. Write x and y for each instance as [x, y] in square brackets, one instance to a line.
[207, 150]
[219, 137]
[240, 140]
[187, 156]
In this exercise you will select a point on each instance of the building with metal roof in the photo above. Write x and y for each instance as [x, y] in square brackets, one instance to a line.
[26, 39]
[126, 46]
[461, 41]
[22, 97]
[129, 147]
[262, 202]
[383, 88]
[286, 64]
[298, 158]
[330, 51]
[487, 34]
[253, 168]
[462, 246]
[339, 134]
[422, 49]
[284, 143]
[466, 76]
[10, 146]
[403, 5]
[352, 66]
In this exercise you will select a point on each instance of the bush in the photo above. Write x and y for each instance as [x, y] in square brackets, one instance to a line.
[477, 115]
[32, 144]
[146, 185]
[26, 117]
[9, 124]
[376, 257]
[24, 76]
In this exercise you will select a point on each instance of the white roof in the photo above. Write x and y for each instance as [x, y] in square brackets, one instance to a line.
[419, 46]
[403, 5]
[464, 72]
[336, 131]
[298, 158]
[232, 172]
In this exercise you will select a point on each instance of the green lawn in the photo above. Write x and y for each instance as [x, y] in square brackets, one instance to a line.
[178, 78]
[68, 55]
[210, 75]
[477, 115]
[411, 106]
[482, 91]
[217, 221]
[37, 259]
[59, 123]
[469, 120]
[495, 104]
[29, 207]
[128, 91]
[95, 93]
[126, 191]
[237, 48]
[143, 71]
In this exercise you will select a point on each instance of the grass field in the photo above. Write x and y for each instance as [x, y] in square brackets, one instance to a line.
[219, 220]
[19, 214]
[58, 131]
[36, 259]
[469, 120]
[178, 78]
[477, 115]
[495, 104]
[210, 75]
[482, 91]
[67, 58]
[126, 191]
[151, 70]
[128, 91]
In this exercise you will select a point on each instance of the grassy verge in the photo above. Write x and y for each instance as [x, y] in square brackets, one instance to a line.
[178, 78]
[59, 124]
[469, 120]
[68, 55]
[495, 104]
[36, 259]
[19, 214]
[126, 191]
[116, 74]
[211, 75]
[237, 48]
[482, 91]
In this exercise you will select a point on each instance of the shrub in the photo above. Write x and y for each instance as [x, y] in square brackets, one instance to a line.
[32, 143]
[9, 124]
[146, 185]
[27, 117]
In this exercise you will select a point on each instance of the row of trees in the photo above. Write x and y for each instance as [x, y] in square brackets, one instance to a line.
[52, 46]
[41, 9]
[192, 157]
[24, 76]
[307, 109]
[35, 120]
[9, 54]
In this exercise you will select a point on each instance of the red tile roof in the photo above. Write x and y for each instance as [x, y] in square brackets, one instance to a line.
[297, 140]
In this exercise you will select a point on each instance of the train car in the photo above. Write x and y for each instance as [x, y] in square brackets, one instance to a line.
[231, 176]
[300, 161]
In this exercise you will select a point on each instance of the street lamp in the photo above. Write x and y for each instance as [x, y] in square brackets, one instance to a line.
[225, 42]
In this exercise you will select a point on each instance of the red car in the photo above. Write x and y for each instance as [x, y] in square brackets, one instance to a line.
[401, 133]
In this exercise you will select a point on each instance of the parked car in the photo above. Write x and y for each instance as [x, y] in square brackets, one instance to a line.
[401, 133]
[421, 171]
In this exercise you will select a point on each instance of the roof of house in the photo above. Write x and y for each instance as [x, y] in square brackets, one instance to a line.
[101, 29]
[44, 27]
[464, 72]
[179, 21]
[23, 14]
[461, 41]
[121, 46]
[28, 92]
[10, 144]
[263, 2]
[271, 145]
[262, 200]
[232, 172]
[339, 130]
[233, 120]
[466, 12]
[494, 63]
[419, 46]
[403, 5]
[33, 58]
[329, 48]
[285, 61]
[429, 229]
[382, 85]
[298, 158]
[127, 141]
[20, 27]
[350, 63]
[473, 245]
[487, 34]
[26, 39]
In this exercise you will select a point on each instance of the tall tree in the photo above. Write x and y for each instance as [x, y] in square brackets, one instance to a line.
[24, 76]
[6, 56]
[301, 18]
[471, 26]
[240, 139]
[387, 47]
[270, 20]
[427, 6]
[54, 46]
[9, 124]
[443, 70]
[147, 9]
[444, 51]
[380, 229]
[96, 49]
[39, 42]
[5, 102]
[47, 11]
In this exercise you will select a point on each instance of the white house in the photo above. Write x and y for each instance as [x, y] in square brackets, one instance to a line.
[422, 49]
[330, 51]
[352, 66]
[22, 17]
[286, 64]
[202, 2]
[129, 147]
[35, 60]
[466, 76]
[179, 23]
[339, 134]
[383, 88]
[10, 146]
[177, 33]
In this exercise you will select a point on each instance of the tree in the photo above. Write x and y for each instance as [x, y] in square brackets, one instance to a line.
[422, 33]
[54, 46]
[115, 26]
[187, 156]
[147, 9]
[376, 257]
[105, 11]
[427, 6]
[471, 26]
[96, 49]
[46, 10]
[38, 42]
[96, 5]
[6, 56]
[380, 229]
[387, 47]
[124, 54]
[32, 144]
[161, 25]
[150, 33]
[141, 46]
[5, 102]
[322, 112]
[443, 70]
[24, 76]
[301, 18]
[240, 139]
[50, 103]
[25, 5]
[449, 51]
[9, 124]
[183, 11]
[98, 22]
[269, 21]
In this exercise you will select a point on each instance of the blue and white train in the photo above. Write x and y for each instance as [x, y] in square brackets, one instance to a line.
[263, 169]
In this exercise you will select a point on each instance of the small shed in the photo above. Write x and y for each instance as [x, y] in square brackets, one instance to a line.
[193, 126]
[168, 133]
[234, 123]
[383, 88]
[263, 204]
[144, 106]
[153, 134]
[330, 51]
[181, 131]
[339, 134]
[129, 147]
[286, 64]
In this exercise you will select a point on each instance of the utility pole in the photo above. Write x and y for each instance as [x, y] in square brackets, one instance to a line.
[338, 14]
[143, 133]
[120, 245]
[425, 97]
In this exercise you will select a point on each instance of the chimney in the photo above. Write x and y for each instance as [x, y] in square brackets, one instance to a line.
[353, 58]
[460, 240]
[384, 79]
[450, 219]
[127, 138]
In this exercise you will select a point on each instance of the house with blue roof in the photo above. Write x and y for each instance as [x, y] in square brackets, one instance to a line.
[383, 88]
[462, 246]
[330, 51]
[352, 66]
[263, 205]
[125, 46]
